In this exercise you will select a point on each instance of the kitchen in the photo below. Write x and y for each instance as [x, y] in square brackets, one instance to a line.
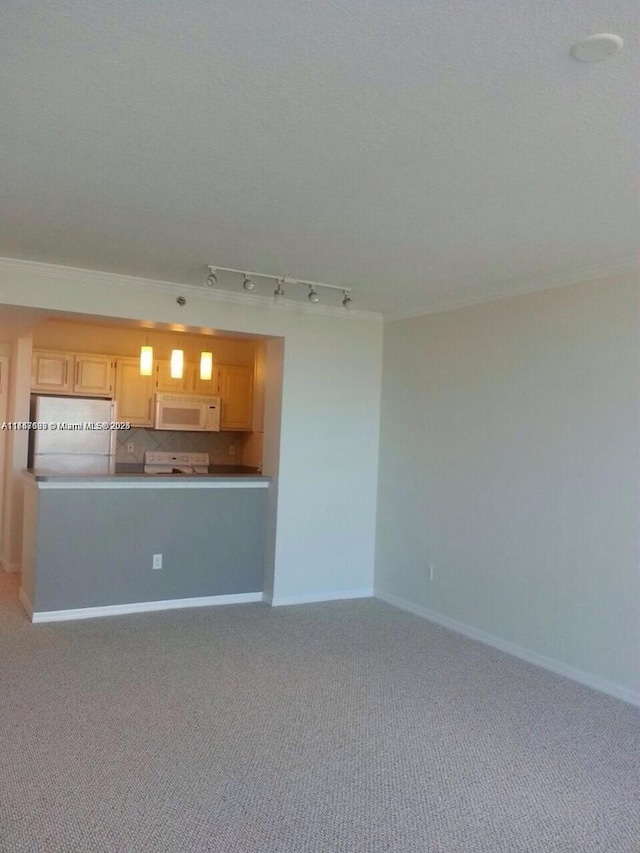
[205, 516]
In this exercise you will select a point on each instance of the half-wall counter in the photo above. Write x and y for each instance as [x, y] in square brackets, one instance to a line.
[116, 543]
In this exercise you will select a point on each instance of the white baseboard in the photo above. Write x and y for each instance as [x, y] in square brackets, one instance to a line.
[10, 567]
[579, 675]
[137, 607]
[313, 598]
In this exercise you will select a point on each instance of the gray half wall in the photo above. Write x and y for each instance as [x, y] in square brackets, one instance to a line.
[95, 547]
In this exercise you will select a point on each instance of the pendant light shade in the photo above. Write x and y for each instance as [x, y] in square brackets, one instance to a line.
[206, 365]
[146, 360]
[177, 363]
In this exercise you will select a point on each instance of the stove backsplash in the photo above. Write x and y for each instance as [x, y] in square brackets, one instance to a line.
[217, 444]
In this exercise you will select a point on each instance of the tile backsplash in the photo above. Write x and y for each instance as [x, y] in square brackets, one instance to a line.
[216, 444]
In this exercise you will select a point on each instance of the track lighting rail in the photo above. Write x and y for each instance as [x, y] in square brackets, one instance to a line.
[281, 281]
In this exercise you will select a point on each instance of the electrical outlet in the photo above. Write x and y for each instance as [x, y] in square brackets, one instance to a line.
[430, 570]
[131, 448]
[232, 450]
[157, 561]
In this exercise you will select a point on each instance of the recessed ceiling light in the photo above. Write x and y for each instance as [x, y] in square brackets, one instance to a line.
[597, 47]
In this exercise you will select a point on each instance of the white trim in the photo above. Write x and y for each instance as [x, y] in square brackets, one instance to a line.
[504, 290]
[22, 595]
[11, 568]
[140, 607]
[117, 483]
[312, 598]
[98, 278]
[560, 668]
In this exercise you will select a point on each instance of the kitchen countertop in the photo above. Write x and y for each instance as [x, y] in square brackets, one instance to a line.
[217, 477]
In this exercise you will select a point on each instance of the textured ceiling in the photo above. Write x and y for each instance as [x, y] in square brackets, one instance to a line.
[421, 152]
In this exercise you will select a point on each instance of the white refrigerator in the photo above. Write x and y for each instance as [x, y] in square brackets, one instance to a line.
[70, 440]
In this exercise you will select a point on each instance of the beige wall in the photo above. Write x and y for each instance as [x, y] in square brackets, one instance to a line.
[510, 462]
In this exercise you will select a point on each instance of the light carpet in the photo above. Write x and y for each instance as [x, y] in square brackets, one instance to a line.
[331, 728]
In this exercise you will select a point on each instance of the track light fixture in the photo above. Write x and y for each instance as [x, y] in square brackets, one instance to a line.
[249, 285]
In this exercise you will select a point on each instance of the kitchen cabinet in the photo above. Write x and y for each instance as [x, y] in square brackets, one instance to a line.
[204, 386]
[164, 382]
[236, 392]
[80, 374]
[93, 375]
[134, 393]
[51, 372]
[190, 382]
[89, 375]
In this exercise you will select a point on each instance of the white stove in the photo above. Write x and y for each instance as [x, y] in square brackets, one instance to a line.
[159, 462]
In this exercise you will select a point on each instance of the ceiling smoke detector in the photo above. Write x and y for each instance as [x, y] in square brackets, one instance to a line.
[597, 47]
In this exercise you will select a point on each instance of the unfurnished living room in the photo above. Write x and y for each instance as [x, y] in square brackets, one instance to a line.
[320, 446]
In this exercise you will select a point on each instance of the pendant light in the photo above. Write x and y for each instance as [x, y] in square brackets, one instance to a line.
[177, 363]
[146, 359]
[206, 365]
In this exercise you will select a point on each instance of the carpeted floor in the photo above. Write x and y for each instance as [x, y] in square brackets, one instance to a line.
[331, 728]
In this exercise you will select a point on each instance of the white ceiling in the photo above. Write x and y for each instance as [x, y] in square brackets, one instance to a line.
[424, 152]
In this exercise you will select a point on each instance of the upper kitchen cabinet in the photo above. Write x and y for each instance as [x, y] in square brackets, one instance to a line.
[51, 372]
[134, 393]
[236, 391]
[204, 386]
[190, 382]
[93, 375]
[79, 374]
[164, 381]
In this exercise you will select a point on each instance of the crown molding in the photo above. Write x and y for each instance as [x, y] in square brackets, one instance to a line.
[97, 278]
[519, 287]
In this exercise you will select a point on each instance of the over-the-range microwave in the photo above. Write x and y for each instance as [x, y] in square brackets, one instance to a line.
[187, 412]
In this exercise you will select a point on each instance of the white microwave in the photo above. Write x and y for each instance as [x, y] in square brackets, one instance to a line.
[187, 412]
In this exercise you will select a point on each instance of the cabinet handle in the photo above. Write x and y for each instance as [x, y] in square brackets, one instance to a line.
[78, 373]
[66, 371]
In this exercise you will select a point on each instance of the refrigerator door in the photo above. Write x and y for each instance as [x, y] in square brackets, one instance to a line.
[73, 410]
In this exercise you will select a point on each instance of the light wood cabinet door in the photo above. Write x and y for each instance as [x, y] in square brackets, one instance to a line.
[134, 393]
[164, 382]
[236, 394]
[52, 372]
[203, 386]
[93, 375]
[190, 382]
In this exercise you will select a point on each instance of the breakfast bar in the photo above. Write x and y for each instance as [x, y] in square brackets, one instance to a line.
[128, 542]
